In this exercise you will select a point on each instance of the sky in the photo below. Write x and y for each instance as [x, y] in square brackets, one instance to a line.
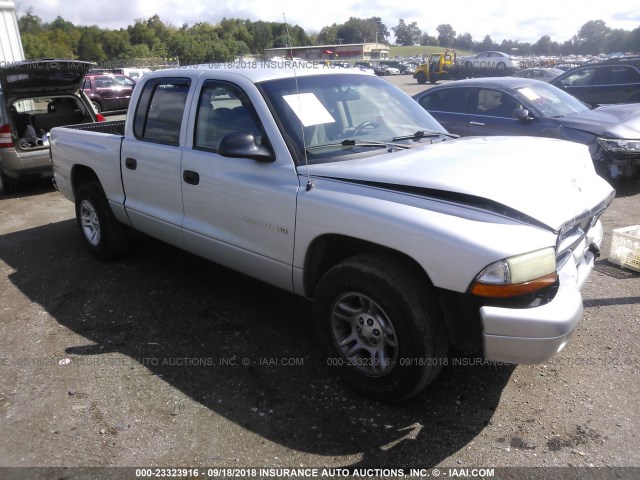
[524, 21]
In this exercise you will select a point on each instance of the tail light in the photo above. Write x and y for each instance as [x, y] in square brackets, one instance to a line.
[100, 118]
[6, 141]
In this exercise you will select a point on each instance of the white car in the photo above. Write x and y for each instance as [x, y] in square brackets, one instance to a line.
[492, 59]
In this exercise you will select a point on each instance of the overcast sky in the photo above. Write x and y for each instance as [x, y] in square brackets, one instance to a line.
[524, 21]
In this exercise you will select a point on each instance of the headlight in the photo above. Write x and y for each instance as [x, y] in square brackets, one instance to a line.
[517, 275]
[620, 145]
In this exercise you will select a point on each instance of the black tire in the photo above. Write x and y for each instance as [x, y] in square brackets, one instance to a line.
[96, 106]
[421, 78]
[105, 237]
[501, 66]
[7, 184]
[393, 312]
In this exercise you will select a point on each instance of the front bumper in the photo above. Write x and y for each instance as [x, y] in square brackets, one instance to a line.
[533, 335]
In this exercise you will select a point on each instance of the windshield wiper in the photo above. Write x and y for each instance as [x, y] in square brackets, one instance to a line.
[349, 142]
[425, 134]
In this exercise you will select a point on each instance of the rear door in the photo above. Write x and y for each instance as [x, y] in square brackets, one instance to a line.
[151, 157]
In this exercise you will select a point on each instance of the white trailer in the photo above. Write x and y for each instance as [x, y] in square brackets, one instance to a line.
[10, 44]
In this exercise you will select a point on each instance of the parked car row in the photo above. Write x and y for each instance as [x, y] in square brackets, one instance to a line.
[522, 106]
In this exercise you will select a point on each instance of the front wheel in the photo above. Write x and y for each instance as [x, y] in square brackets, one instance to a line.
[380, 326]
[103, 234]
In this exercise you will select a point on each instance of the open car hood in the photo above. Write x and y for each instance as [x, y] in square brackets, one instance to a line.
[549, 181]
[42, 77]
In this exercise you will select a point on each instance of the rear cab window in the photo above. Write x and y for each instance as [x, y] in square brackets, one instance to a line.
[160, 110]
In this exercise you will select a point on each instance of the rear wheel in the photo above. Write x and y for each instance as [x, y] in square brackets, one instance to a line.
[103, 234]
[96, 106]
[380, 326]
[421, 78]
[7, 184]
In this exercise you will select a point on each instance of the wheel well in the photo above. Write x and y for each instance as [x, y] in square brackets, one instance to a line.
[329, 250]
[80, 175]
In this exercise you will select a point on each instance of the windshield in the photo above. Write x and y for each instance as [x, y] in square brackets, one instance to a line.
[332, 117]
[551, 101]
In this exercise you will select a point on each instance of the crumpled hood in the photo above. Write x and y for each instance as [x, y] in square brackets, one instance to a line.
[616, 121]
[551, 181]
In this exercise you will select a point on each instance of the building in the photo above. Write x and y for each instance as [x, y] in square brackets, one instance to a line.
[10, 43]
[349, 51]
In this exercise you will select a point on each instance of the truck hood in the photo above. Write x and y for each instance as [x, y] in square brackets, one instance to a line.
[42, 77]
[615, 121]
[539, 180]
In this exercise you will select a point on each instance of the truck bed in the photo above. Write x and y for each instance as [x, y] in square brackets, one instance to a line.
[95, 146]
[115, 127]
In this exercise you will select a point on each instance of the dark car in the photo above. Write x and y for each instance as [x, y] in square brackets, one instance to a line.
[601, 84]
[109, 92]
[539, 73]
[521, 106]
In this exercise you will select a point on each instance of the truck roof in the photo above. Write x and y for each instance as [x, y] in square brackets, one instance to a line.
[262, 70]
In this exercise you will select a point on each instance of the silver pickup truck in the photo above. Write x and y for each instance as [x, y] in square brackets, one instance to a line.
[336, 186]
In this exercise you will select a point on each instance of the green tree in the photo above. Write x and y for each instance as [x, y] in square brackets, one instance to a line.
[591, 37]
[115, 43]
[329, 35]
[446, 35]
[486, 44]
[464, 41]
[428, 40]
[261, 36]
[407, 35]
[544, 46]
[29, 23]
[90, 45]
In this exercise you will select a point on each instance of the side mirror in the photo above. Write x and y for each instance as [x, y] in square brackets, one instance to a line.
[243, 145]
[522, 114]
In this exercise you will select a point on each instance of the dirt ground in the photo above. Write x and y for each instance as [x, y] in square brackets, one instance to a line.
[161, 359]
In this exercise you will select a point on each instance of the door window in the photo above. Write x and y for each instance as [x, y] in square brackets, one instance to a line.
[495, 103]
[223, 108]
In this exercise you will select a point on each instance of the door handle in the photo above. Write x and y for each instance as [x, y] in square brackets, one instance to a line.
[477, 123]
[130, 163]
[191, 177]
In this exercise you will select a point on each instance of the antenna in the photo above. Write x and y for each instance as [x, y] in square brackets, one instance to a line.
[295, 76]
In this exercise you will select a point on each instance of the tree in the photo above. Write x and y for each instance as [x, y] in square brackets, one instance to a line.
[328, 35]
[464, 42]
[381, 29]
[592, 36]
[115, 43]
[543, 46]
[619, 41]
[29, 23]
[486, 44]
[446, 35]
[407, 35]
[261, 36]
[90, 46]
[428, 40]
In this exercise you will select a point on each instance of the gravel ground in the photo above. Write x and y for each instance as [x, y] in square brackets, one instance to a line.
[161, 359]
